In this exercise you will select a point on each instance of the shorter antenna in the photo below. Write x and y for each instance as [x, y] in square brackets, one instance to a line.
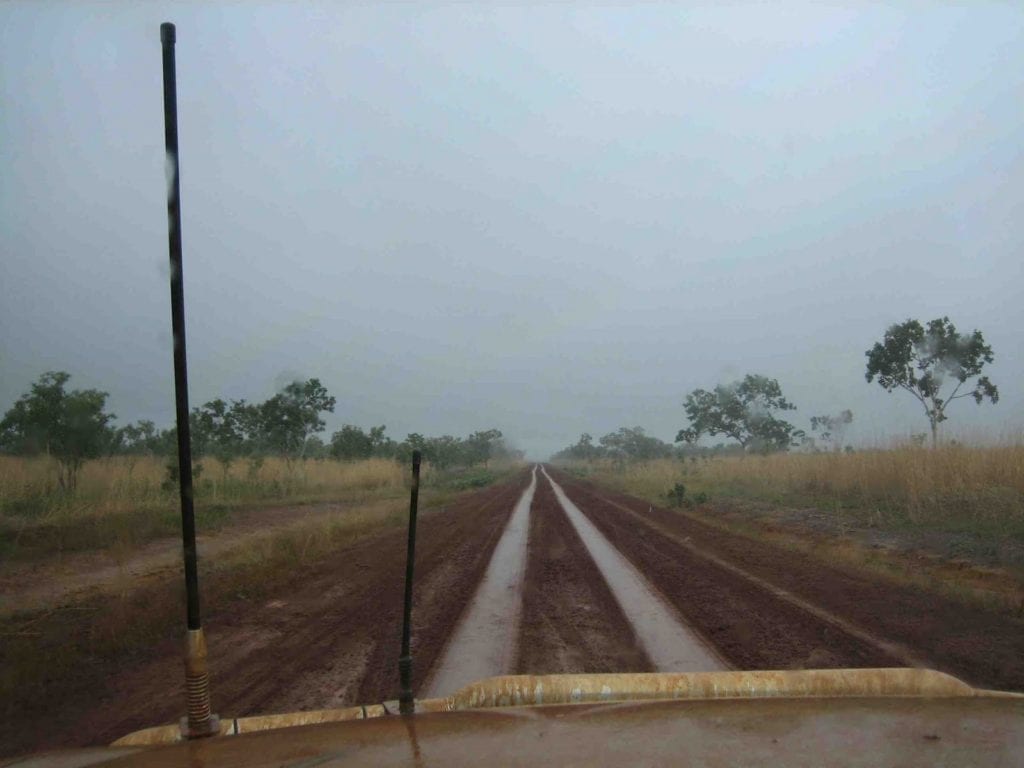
[406, 704]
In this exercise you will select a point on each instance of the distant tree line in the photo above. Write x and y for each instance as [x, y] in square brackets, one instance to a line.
[933, 362]
[73, 426]
[351, 443]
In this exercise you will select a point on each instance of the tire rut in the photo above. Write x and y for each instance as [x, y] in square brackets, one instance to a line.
[750, 626]
[571, 622]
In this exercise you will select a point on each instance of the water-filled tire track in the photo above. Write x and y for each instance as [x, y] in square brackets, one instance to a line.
[571, 621]
[751, 627]
[669, 643]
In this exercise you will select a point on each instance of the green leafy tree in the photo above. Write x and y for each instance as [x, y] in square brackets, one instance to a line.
[316, 448]
[481, 446]
[351, 443]
[381, 444]
[924, 360]
[70, 426]
[139, 439]
[216, 432]
[444, 451]
[285, 422]
[832, 427]
[634, 443]
[135, 440]
[745, 411]
[414, 441]
[583, 450]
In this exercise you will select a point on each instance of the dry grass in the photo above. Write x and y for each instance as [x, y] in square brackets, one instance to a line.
[107, 485]
[125, 501]
[974, 485]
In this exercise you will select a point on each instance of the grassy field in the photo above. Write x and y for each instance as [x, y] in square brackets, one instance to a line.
[126, 501]
[957, 503]
[952, 486]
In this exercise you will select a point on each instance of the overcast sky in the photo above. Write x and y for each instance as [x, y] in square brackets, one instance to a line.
[548, 219]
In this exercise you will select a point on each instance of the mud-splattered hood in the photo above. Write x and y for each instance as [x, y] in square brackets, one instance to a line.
[812, 717]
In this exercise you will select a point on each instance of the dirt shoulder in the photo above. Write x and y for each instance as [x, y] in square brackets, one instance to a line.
[47, 584]
[973, 567]
[983, 646]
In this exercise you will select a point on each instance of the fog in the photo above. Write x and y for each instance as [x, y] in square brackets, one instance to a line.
[549, 220]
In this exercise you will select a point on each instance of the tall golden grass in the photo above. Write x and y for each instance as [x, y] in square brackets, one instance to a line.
[128, 500]
[108, 484]
[973, 484]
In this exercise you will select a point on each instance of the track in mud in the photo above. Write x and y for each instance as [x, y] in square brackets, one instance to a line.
[483, 643]
[670, 644]
[571, 621]
[333, 640]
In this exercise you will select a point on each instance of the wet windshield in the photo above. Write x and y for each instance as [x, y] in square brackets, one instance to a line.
[706, 323]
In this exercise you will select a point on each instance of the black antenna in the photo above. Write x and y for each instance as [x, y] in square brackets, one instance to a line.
[406, 704]
[197, 680]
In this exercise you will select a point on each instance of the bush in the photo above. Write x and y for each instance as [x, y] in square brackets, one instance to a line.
[677, 496]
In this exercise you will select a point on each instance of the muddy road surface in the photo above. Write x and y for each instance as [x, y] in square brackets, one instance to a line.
[542, 574]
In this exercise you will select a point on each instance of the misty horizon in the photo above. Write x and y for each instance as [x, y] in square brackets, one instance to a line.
[547, 220]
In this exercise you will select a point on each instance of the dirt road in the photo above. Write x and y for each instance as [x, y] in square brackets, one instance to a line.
[540, 595]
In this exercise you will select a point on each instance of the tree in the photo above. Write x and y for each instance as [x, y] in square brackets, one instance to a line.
[480, 447]
[832, 427]
[444, 451]
[287, 420]
[316, 448]
[745, 411]
[922, 360]
[216, 431]
[139, 438]
[351, 443]
[70, 426]
[583, 450]
[381, 444]
[633, 443]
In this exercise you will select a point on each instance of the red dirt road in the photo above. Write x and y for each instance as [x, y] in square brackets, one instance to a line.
[332, 639]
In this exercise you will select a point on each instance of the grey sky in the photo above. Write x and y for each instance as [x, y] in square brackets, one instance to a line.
[548, 219]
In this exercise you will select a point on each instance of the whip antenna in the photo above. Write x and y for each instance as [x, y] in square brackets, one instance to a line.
[199, 722]
[406, 704]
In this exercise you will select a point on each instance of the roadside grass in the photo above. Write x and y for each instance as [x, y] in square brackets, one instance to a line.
[951, 519]
[954, 488]
[123, 502]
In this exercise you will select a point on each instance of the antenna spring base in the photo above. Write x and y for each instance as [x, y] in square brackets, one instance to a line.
[200, 722]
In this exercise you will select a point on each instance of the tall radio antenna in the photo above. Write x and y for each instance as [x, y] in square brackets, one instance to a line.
[199, 722]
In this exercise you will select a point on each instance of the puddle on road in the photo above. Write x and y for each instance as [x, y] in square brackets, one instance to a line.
[484, 642]
[670, 646]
